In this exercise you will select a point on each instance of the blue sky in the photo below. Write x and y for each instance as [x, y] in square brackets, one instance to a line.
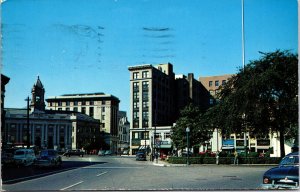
[86, 46]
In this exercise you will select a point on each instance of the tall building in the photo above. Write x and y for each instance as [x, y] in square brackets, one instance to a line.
[100, 106]
[156, 97]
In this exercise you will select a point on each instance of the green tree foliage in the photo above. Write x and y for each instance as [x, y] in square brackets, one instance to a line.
[265, 93]
[191, 116]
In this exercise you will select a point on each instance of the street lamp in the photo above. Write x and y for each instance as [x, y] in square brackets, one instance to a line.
[187, 130]
[245, 134]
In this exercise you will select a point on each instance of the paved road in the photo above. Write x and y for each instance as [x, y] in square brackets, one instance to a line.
[124, 173]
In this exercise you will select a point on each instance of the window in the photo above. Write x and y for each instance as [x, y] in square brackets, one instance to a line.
[135, 75]
[67, 109]
[136, 105]
[103, 102]
[135, 115]
[145, 104]
[210, 83]
[75, 109]
[59, 103]
[135, 85]
[145, 95]
[136, 95]
[103, 117]
[145, 74]
[67, 103]
[59, 109]
[145, 84]
[223, 82]
[217, 83]
[103, 109]
[136, 135]
[167, 135]
[83, 110]
[91, 111]
[91, 102]
[83, 103]
[145, 114]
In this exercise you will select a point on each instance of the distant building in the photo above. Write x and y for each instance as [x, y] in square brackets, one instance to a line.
[124, 127]
[156, 96]
[99, 106]
[213, 84]
[49, 128]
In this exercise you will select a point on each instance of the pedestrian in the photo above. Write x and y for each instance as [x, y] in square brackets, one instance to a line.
[236, 158]
[217, 157]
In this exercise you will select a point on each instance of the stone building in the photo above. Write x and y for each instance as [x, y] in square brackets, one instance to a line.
[100, 106]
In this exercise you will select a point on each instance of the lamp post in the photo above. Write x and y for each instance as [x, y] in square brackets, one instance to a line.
[245, 134]
[187, 130]
[28, 135]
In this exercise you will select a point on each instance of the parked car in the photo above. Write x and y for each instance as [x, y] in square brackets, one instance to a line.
[285, 175]
[108, 152]
[140, 156]
[101, 153]
[126, 152]
[48, 158]
[24, 157]
[76, 152]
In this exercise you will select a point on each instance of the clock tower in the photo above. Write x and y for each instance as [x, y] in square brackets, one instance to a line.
[37, 99]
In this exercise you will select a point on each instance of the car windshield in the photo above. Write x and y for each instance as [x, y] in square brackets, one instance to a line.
[290, 160]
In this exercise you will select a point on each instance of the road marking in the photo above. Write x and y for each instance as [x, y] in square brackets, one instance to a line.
[71, 186]
[112, 168]
[101, 174]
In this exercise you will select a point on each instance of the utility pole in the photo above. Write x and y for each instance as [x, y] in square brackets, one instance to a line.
[28, 129]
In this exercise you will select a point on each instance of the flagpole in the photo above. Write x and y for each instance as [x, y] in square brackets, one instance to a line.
[243, 36]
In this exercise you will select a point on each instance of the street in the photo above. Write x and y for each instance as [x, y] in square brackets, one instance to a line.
[125, 173]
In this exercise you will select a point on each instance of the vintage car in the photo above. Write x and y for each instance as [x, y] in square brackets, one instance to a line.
[285, 176]
[48, 158]
[140, 156]
[24, 157]
[76, 152]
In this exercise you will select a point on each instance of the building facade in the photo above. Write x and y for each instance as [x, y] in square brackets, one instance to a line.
[49, 128]
[219, 142]
[4, 80]
[156, 97]
[99, 106]
[123, 132]
[213, 84]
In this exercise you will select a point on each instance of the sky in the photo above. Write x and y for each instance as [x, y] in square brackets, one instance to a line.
[86, 46]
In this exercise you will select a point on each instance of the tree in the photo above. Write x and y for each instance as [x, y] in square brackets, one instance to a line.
[191, 116]
[265, 94]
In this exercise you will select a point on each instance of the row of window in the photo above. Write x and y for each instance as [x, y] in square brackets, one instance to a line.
[74, 103]
[145, 135]
[145, 74]
[217, 83]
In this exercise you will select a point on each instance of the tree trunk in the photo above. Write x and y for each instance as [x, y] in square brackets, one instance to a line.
[281, 140]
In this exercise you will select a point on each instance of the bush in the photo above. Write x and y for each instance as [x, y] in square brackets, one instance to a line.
[225, 160]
